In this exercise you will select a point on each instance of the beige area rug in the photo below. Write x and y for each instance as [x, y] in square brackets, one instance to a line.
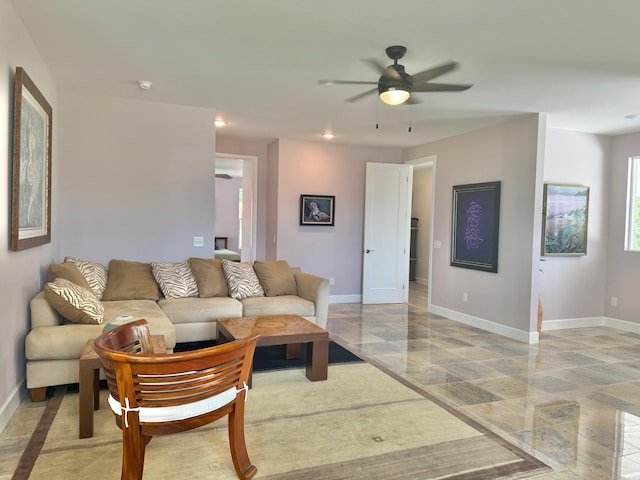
[359, 424]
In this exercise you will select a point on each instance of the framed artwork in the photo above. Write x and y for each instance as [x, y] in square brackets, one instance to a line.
[31, 179]
[565, 213]
[475, 226]
[317, 209]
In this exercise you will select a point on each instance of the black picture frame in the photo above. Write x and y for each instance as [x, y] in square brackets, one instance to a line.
[476, 226]
[565, 220]
[317, 210]
[31, 175]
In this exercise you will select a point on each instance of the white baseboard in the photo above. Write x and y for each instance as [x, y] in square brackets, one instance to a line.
[566, 323]
[345, 298]
[488, 325]
[12, 403]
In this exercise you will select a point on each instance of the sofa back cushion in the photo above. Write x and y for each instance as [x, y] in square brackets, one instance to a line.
[130, 281]
[175, 279]
[68, 271]
[75, 303]
[242, 280]
[276, 278]
[209, 277]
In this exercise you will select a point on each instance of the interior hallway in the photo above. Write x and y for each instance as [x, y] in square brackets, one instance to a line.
[570, 400]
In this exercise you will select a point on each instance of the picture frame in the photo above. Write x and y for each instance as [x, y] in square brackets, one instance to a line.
[318, 210]
[565, 219]
[476, 226]
[31, 170]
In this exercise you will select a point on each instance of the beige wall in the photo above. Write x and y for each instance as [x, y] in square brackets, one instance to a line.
[421, 208]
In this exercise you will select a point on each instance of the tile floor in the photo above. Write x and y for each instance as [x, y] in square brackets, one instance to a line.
[573, 400]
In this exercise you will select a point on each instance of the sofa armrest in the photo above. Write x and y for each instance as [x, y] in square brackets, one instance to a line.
[42, 315]
[316, 290]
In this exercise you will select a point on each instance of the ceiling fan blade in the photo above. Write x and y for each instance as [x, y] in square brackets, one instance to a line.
[376, 64]
[226, 176]
[345, 82]
[440, 87]
[434, 72]
[362, 95]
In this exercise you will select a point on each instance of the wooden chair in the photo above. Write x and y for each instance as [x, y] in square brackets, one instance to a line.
[163, 394]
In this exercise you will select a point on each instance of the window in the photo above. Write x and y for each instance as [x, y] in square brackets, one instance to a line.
[632, 241]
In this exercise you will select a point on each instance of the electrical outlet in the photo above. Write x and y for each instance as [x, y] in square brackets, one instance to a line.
[198, 241]
[331, 281]
[614, 301]
[465, 297]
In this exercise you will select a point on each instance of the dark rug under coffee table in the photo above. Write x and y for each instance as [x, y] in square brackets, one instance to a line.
[272, 357]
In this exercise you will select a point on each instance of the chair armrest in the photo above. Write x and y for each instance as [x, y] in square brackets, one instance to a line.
[316, 290]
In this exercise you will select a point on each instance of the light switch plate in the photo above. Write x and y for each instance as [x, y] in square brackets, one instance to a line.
[198, 241]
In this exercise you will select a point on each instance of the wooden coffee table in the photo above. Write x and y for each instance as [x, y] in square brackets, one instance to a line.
[288, 330]
[89, 383]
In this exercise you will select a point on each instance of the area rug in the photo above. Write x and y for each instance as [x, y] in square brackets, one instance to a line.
[360, 424]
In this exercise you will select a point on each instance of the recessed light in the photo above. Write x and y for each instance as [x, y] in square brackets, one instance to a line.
[328, 135]
[219, 122]
[144, 84]
[632, 116]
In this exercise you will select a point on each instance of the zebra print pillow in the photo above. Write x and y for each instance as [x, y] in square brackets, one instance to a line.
[242, 279]
[76, 304]
[94, 273]
[175, 279]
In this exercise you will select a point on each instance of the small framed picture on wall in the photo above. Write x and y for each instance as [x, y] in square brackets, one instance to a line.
[317, 210]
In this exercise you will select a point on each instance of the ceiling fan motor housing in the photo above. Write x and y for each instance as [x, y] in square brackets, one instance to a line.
[395, 78]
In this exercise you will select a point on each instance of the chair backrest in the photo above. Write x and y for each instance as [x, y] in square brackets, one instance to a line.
[146, 379]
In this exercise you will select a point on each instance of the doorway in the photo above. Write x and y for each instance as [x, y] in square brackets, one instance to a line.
[235, 197]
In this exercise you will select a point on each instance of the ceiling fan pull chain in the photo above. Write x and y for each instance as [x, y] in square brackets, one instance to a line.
[410, 111]
[377, 112]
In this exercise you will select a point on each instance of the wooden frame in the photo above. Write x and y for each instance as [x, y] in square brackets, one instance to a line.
[317, 210]
[220, 243]
[475, 226]
[31, 180]
[565, 213]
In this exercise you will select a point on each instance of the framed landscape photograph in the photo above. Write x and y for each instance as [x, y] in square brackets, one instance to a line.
[317, 209]
[565, 213]
[475, 226]
[31, 176]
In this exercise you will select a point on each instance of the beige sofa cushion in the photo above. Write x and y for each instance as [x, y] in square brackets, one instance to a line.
[281, 305]
[175, 279]
[242, 280]
[76, 304]
[130, 281]
[209, 277]
[68, 271]
[276, 278]
[196, 310]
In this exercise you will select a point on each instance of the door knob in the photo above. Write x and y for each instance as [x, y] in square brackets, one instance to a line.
[368, 251]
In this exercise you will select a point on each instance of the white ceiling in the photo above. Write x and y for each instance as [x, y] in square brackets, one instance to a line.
[258, 62]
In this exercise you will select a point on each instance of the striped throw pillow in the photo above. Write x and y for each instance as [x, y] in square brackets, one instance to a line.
[94, 273]
[76, 304]
[242, 280]
[175, 279]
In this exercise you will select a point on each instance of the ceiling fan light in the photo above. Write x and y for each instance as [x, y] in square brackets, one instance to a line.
[394, 96]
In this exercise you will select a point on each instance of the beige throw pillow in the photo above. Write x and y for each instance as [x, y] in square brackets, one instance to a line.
[94, 273]
[175, 279]
[76, 304]
[70, 272]
[209, 277]
[241, 279]
[276, 278]
[130, 281]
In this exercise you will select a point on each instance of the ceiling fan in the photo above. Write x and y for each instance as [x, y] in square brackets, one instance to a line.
[395, 86]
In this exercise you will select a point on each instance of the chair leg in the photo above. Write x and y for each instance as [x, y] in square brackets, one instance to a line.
[241, 462]
[133, 449]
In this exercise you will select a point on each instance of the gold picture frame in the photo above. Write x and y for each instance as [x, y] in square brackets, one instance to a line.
[31, 179]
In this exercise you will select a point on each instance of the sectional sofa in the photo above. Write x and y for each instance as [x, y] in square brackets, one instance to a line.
[180, 300]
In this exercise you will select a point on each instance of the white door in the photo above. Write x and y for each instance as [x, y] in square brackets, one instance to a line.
[387, 225]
